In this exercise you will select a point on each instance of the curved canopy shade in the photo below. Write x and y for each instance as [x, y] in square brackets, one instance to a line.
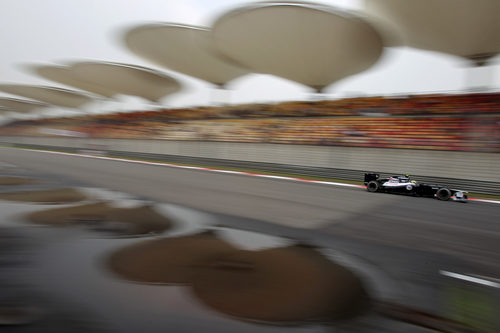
[64, 75]
[127, 79]
[312, 44]
[51, 95]
[465, 28]
[5, 114]
[182, 48]
[20, 105]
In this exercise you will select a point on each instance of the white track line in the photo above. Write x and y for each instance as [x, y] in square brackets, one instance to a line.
[219, 170]
[470, 279]
[486, 277]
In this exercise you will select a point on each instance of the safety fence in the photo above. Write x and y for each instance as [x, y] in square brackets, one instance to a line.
[475, 172]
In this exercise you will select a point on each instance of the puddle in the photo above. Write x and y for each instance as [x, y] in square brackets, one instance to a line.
[13, 213]
[59, 195]
[169, 260]
[103, 217]
[249, 240]
[72, 264]
[288, 285]
[116, 199]
[371, 275]
[75, 270]
[186, 220]
[16, 181]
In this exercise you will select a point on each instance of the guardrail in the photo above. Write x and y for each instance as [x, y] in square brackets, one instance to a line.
[343, 174]
[471, 185]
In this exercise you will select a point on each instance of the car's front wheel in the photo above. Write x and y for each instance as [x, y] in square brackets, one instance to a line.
[443, 194]
[373, 186]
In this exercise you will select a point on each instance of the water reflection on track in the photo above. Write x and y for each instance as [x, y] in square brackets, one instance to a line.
[59, 278]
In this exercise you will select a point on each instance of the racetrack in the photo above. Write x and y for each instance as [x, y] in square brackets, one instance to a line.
[467, 231]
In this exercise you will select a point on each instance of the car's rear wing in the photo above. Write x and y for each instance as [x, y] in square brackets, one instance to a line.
[371, 176]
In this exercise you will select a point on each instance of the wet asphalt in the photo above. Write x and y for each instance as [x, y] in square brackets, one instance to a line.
[397, 244]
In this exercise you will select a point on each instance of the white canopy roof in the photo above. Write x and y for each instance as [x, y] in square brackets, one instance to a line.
[20, 105]
[312, 44]
[127, 79]
[65, 75]
[466, 28]
[50, 95]
[182, 48]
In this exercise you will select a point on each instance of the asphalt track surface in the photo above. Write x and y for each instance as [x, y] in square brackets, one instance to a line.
[469, 231]
[407, 240]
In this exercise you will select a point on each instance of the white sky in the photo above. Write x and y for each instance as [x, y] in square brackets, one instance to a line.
[54, 31]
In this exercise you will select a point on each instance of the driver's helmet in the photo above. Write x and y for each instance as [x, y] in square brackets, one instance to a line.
[407, 175]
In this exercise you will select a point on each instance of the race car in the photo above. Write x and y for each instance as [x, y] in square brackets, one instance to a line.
[405, 185]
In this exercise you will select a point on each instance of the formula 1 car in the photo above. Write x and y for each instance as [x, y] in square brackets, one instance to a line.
[404, 185]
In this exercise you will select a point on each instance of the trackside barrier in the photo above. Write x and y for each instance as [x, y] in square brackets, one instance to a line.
[343, 174]
[448, 164]
[465, 170]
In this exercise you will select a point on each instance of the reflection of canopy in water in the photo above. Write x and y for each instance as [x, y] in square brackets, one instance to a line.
[10, 181]
[51, 95]
[169, 260]
[104, 217]
[20, 105]
[182, 48]
[292, 283]
[65, 75]
[287, 284]
[61, 195]
[466, 28]
[127, 79]
[312, 44]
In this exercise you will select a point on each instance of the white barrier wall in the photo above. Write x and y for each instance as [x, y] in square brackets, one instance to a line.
[461, 165]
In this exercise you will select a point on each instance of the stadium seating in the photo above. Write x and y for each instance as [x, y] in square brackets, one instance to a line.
[465, 122]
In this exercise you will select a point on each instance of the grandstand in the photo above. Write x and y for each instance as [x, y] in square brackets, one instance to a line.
[462, 122]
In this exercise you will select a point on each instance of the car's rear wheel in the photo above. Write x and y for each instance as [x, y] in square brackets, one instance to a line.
[373, 186]
[443, 194]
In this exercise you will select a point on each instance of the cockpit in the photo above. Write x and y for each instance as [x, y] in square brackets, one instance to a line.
[399, 179]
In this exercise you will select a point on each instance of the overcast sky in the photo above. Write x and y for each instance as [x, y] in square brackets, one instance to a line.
[54, 31]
